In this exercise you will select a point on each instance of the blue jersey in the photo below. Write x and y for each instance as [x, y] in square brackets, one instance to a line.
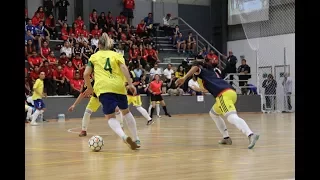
[212, 81]
[40, 30]
[31, 28]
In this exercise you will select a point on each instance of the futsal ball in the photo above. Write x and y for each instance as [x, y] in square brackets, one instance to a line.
[95, 143]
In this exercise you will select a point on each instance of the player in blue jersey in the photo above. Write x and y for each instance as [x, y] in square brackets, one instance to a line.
[225, 97]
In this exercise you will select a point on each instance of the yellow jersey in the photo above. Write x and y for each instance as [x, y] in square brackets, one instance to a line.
[107, 73]
[37, 87]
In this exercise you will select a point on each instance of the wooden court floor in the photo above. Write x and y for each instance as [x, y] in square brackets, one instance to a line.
[183, 147]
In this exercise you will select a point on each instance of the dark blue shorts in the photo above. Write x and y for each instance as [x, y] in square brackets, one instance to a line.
[39, 104]
[110, 101]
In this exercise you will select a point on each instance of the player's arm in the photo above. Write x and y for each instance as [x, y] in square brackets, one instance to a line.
[87, 73]
[78, 100]
[192, 71]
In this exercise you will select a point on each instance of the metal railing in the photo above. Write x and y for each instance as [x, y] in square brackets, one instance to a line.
[202, 42]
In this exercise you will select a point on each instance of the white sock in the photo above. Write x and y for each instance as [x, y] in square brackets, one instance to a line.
[132, 126]
[149, 110]
[240, 124]
[158, 109]
[35, 116]
[86, 119]
[29, 113]
[143, 112]
[221, 125]
[119, 117]
[116, 127]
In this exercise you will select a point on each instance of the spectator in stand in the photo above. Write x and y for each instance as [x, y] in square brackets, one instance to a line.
[176, 33]
[149, 23]
[113, 34]
[129, 6]
[81, 39]
[50, 25]
[79, 22]
[155, 70]
[61, 87]
[76, 84]
[180, 72]
[191, 43]
[42, 33]
[96, 31]
[48, 81]
[44, 51]
[28, 37]
[152, 57]
[94, 42]
[27, 88]
[34, 74]
[181, 43]
[36, 19]
[202, 54]
[143, 85]
[166, 25]
[110, 20]
[121, 21]
[123, 37]
[77, 50]
[64, 32]
[78, 65]
[35, 60]
[30, 27]
[72, 39]
[194, 87]
[53, 62]
[141, 29]
[87, 52]
[25, 14]
[29, 48]
[138, 70]
[133, 53]
[93, 19]
[172, 89]
[69, 73]
[244, 76]
[212, 57]
[41, 13]
[75, 30]
[66, 48]
[168, 72]
[102, 21]
[63, 60]
[85, 32]
[62, 6]
[48, 6]
[230, 66]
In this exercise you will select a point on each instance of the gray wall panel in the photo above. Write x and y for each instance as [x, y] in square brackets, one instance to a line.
[141, 11]
[162, 9]
[175, 105]
[197, 17]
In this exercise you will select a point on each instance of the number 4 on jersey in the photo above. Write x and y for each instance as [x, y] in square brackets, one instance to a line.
[107, 66]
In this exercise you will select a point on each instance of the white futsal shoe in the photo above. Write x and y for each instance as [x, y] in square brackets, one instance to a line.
[34, 124]
[252, 140]
[227, 141]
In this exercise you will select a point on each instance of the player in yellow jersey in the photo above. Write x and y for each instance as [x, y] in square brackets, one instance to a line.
[111, 74]
[37, 96]
[92, 106]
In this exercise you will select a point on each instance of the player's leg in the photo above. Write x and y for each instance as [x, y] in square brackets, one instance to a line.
[138, 104]
[163, 104]
[158, 109]
[29, 111]
[227, 101]
[93, 106]
[39, 105]
[119, 116]
[215, 113]
[130, 120]
[109, 103]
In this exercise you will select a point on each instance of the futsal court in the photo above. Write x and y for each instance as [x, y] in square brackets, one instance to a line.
[181, 147]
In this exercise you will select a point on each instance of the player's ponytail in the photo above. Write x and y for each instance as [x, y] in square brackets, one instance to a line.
[105, 43]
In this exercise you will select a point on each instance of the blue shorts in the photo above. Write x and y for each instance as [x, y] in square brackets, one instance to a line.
[110, 101]
[39, 104]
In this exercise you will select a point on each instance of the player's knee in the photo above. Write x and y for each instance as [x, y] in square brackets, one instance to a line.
[212, 113]
[232, 118]
[125, 111]
[162, 103]
[88, 111]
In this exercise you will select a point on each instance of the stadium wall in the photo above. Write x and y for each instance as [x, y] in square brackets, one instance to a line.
[281, 21]
[175, 104]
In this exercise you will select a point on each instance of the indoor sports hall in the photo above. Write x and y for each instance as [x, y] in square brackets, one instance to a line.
[248, 45]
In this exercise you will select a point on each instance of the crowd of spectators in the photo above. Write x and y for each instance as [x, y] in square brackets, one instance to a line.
[64, 71]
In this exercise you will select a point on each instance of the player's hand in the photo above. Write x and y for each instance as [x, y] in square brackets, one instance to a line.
[132, 89]
[180, 81]
[88, 92]
[44, 95]
[71, 108]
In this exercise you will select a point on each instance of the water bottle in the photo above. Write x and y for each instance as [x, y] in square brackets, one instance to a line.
[61, 118]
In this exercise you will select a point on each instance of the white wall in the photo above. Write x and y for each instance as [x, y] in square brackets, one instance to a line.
[269, 52]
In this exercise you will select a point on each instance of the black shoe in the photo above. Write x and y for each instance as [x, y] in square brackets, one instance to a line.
[167, 114]
[149, 122]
